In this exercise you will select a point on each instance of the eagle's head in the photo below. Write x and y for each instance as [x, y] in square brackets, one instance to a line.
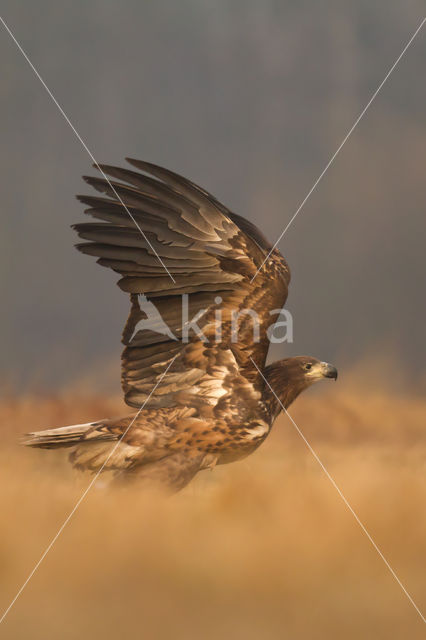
[291, 376]
[307, 370]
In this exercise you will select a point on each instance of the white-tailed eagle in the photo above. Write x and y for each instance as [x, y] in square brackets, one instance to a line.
[215, 404]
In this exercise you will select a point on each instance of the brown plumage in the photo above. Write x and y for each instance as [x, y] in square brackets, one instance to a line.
[213, 405]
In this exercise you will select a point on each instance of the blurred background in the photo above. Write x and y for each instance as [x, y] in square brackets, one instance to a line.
[250, 100]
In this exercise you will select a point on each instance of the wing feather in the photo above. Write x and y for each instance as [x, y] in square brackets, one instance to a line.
[212, 255]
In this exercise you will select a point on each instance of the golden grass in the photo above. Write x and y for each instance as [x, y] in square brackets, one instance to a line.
[264, 548]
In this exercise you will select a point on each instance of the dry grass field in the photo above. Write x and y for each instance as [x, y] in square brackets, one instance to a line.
[264, 548]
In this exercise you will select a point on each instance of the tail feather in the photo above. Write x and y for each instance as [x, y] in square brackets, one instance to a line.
[67, 436]
[91, 451]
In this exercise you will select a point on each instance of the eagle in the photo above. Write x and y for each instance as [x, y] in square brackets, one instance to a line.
[202, 397]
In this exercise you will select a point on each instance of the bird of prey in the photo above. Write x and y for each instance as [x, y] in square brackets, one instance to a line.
[172, 241]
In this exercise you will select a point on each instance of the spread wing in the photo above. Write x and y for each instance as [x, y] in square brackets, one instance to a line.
[211, 256]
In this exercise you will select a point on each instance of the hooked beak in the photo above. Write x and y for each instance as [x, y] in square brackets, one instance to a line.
[328, 371]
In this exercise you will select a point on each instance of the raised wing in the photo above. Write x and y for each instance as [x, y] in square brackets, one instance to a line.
[211, 256]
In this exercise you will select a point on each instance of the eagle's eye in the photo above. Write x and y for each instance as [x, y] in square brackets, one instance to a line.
[308, 366]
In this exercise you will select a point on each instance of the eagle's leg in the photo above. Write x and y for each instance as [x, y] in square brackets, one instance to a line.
[171, 473]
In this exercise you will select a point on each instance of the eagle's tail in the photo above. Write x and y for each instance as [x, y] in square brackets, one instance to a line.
[67, 436]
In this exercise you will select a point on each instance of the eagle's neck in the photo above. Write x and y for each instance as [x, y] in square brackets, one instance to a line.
[286, 388]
